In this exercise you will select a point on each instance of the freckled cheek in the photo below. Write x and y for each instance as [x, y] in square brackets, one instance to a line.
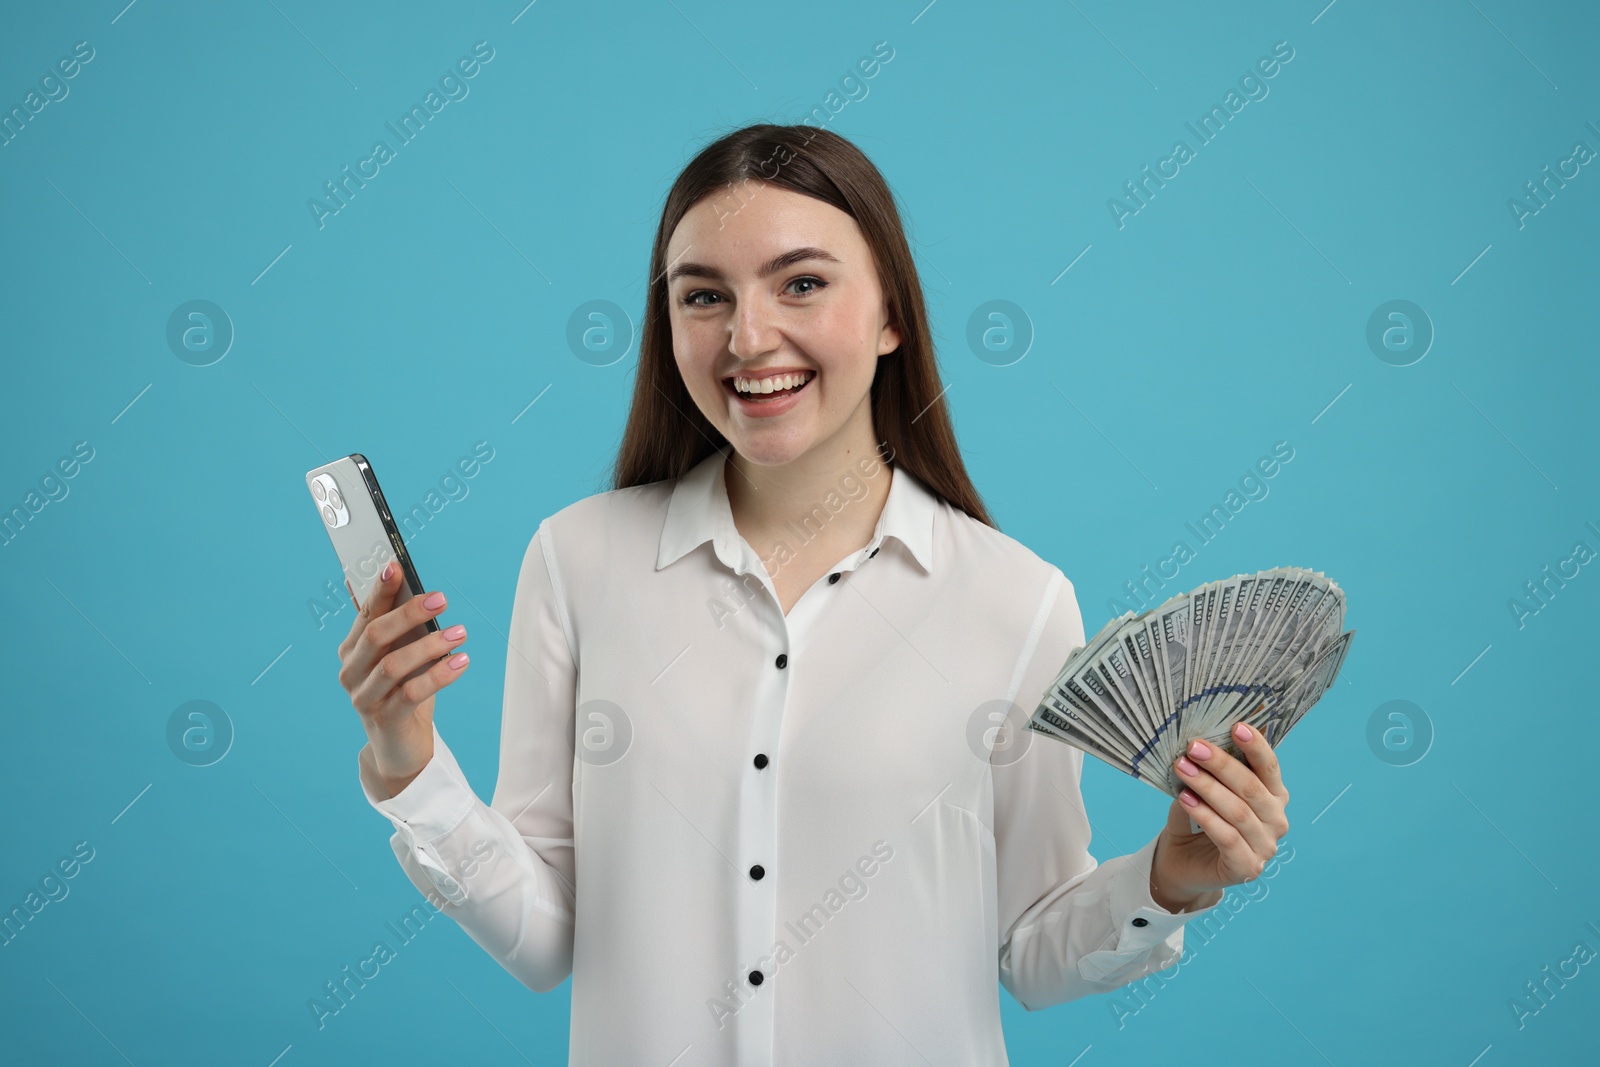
[836, 338]
[851, 343]
[696, 352]
[856, 330]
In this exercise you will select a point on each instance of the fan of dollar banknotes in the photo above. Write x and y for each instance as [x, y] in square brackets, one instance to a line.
[1260, 647]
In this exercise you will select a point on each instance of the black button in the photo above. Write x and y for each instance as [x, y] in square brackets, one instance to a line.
[783, 661]
[761, 760]
[756, 978]
[1141, 922]
[758, 872]
[873, 553]
[832, 578]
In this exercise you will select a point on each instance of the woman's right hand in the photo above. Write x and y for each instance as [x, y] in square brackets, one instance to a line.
[392, 684]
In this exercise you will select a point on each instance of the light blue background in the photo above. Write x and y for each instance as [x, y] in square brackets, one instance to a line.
[1227, 315]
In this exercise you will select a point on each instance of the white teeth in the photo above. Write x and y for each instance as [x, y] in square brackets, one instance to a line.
[770, 385]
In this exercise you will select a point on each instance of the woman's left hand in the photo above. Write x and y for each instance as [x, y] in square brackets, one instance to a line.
[1239, 809]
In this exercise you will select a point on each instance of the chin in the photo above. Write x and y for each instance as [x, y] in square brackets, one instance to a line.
[771, 449]
[767, 456]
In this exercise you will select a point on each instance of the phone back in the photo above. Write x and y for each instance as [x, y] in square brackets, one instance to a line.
[356, 517]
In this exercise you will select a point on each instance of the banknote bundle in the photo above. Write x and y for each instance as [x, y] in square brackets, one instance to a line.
[1260, 647]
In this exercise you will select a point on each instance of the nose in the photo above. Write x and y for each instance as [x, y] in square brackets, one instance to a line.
[751, 331]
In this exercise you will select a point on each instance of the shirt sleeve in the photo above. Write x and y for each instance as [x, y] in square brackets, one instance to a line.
[1071, 926]
[504, 871]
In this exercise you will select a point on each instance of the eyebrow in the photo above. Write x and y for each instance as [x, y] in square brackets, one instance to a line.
[771, 266]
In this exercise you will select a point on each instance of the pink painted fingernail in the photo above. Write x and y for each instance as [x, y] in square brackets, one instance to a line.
[388, 569]
[1243, 732]
[1186, 767]
[1188, 798]
[457, 661]
[434, 601]
[1200, 750]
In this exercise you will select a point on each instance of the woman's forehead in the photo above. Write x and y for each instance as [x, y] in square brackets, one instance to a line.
[746, 225]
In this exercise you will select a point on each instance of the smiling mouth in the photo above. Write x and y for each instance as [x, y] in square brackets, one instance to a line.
[757, 396]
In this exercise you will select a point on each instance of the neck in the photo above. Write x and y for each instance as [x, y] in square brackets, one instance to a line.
[784, 502]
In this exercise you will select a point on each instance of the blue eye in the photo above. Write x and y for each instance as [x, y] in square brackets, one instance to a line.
[689, 299]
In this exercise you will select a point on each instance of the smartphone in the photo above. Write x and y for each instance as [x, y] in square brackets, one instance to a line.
[363, 532]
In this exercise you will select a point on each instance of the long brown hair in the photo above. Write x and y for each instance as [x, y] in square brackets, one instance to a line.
[667, 434]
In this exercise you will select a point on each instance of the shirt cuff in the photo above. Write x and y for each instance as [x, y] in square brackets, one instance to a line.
[434, 803]
[1141, 927]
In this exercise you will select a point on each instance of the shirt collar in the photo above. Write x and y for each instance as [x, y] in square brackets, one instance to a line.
[699, 512]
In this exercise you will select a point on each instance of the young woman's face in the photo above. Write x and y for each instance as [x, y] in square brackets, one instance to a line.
[768, 287]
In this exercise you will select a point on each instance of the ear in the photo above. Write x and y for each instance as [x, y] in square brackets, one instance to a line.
[888, 339]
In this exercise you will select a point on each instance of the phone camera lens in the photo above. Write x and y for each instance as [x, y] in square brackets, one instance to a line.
[328, 516]
[319, 490]
[333, 498]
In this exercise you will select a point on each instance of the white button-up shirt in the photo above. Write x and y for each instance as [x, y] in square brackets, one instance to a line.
[807, 839]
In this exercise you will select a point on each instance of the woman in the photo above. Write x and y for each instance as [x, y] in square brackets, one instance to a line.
[750, 796]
